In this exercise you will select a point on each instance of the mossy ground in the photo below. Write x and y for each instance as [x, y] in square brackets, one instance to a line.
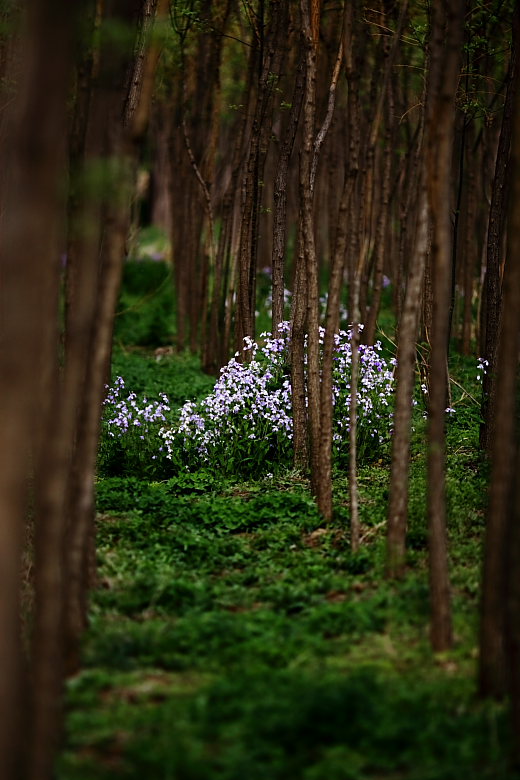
[233, 637]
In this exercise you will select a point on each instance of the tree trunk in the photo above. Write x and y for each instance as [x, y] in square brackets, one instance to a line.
[497, 215]
[448, 20]
[33, 212]
[381, 237]
[114, 134]
[298, 384]
[32, 209]
[309, 248]
[407, 351]
[280, 200]
[405, 380]
[493, 670]
[470, 254]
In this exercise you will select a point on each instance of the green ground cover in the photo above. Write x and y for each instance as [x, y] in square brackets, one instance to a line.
[232, 637]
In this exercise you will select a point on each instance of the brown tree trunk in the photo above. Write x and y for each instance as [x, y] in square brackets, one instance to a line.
[160, 174]
[513, 570]
[407, 350]
[309, 248]
[381, 235]
[506, 398]
[298, 384]
[280, 200]
[497, 216]
[32, 211]
[114, 133]
[405, 380]
[448, 20]
[470, 253]
[493, 669]
[221, 303]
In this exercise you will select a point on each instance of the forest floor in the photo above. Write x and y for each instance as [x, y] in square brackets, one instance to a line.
[233, 637]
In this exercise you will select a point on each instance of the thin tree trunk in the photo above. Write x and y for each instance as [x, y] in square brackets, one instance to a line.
[470, 255]
[407, 355]
[334, 296]
[405, 380]
[280, 200]
[311, 261]
[298, 385]
[445, 60]
[381, 237]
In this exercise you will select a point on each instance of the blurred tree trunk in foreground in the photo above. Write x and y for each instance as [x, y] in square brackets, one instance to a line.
[50, 403]
[495, 242]
[499, 660]
[500, 566]
[31, 233]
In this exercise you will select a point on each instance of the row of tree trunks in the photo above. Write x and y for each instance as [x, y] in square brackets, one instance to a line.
[272, 29]
[219, 338]
[203, 267]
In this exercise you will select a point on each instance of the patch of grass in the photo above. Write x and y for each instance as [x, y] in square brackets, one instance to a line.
[233, 636]
[177, 375]
[304, 725]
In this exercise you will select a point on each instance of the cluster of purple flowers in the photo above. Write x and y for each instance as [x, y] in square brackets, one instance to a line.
[128, 417]
[374, 395]
[248, 415]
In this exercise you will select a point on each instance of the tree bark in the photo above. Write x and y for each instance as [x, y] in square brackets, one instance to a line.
[280, 200]
[470, 253]
[497, 216]
[448, 20]
[309, 248]
[405, 380]
[33, 212]
[298, 384]
[493, 667]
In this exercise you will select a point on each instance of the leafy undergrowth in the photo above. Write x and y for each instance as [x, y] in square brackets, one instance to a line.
[233, 637]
